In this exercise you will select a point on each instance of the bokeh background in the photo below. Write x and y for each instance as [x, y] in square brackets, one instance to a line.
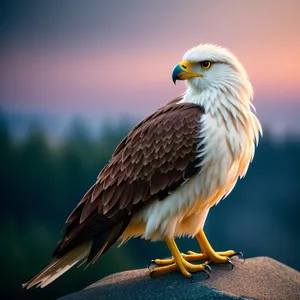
[74, 78]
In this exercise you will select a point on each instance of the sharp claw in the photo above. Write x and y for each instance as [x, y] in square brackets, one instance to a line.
[240, 255]
[151, 266]
[230, 262]
[207, 270]
[192, 279]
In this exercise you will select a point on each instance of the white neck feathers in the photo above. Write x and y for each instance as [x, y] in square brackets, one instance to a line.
[229, 130]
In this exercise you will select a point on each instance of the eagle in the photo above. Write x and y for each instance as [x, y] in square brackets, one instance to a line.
[166, 174]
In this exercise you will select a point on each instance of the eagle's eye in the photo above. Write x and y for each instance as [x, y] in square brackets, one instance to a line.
[205, 65]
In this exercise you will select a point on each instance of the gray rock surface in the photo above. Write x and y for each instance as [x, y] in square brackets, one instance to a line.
[254, 278]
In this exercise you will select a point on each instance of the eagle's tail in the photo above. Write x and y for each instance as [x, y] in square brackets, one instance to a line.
[59, 266]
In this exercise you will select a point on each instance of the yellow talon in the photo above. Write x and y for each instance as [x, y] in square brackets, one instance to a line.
[180, 261]
[191, 256]
[175, 263]
[166, 261]
[216, 257]
[163, 270]
[209, 253]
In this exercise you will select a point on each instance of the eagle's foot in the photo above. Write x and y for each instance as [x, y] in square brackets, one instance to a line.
[171, 265]
[212, 256]
[209, 255]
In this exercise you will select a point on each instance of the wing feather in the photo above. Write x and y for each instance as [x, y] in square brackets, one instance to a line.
[155, 158]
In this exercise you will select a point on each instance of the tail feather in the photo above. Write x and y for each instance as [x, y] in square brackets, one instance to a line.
[106, 239]
[59, 266]
[87, 252]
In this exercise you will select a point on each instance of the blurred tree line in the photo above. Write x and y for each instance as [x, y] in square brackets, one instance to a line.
[42, 181]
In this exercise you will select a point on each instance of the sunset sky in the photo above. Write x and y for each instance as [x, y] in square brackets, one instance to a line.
[100, 58]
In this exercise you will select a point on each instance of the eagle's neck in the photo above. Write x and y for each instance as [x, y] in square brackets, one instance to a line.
[228, 131]
[228, 104]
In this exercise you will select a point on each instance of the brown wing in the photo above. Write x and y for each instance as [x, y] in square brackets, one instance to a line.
[156, 157]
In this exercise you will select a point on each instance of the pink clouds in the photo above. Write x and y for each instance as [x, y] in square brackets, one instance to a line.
[130, 70]
[76, 77]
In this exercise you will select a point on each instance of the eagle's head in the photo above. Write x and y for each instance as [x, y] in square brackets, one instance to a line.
[210, 67]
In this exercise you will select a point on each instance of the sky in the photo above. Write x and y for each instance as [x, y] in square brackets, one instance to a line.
[112, 58]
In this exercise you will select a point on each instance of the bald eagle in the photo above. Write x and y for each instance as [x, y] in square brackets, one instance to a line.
[166, 174]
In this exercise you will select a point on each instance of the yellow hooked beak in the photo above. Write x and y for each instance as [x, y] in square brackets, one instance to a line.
[183, 71]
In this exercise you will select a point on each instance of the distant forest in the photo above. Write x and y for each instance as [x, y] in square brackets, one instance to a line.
[42, 181]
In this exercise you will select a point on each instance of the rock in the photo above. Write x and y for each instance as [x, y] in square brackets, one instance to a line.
[254, 278]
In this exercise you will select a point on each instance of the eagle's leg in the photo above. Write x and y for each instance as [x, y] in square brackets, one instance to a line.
[178, 262]
[208, 253]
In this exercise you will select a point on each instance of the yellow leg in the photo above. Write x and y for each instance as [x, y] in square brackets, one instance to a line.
[178, 262]
[208, 253]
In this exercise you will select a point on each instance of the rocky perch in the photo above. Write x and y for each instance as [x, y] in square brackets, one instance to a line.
[254, 278]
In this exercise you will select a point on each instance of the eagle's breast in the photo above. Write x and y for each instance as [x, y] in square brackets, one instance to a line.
[226, 148]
